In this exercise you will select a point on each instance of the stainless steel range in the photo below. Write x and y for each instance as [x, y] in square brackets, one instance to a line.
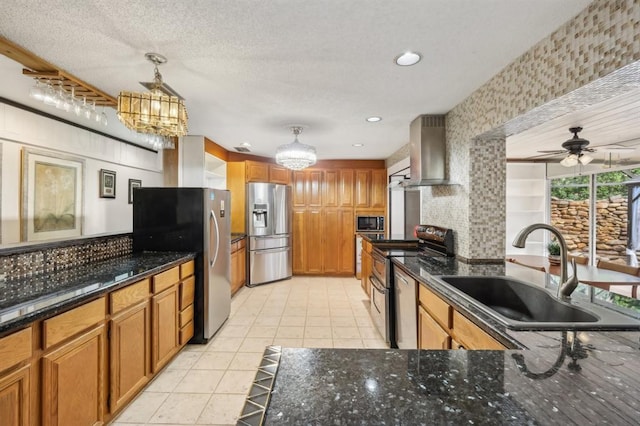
[394, 294]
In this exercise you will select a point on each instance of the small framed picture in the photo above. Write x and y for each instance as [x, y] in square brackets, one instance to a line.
[107, 184]
[133, 183]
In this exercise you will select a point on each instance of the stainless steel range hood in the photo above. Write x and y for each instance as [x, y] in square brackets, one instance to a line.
[427, 152]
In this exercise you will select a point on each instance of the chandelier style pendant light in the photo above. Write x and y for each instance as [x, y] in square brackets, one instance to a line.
[296, 155]
[157, 112]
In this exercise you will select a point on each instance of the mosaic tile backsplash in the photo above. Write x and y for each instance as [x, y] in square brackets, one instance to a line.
[589, 59]
[38, 261]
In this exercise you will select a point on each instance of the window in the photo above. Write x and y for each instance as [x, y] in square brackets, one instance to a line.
[569, 212]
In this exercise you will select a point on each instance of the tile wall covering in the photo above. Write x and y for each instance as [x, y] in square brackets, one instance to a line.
[591, 58]
[50, 258]
[400, 154]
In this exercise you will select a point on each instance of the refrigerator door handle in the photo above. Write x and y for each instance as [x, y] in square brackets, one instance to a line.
[212, 218]
[271, 250]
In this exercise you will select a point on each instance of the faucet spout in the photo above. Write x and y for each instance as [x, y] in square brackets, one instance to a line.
[567, 285]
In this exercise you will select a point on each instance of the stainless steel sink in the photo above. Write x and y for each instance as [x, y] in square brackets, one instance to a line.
[523, 306]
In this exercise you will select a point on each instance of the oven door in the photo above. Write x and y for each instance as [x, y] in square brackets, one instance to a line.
[379, 297]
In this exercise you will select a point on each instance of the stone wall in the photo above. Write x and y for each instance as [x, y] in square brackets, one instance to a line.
[572, 219]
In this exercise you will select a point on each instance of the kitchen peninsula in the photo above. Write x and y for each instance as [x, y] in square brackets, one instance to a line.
[594, 382]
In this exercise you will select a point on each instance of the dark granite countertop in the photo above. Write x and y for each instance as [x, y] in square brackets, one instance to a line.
[23, 301]
[381, 239]
[237, 236]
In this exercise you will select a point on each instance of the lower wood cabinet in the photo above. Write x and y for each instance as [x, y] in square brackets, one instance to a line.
[73, 380]
[238, 265]
[84, 365]
[130, 353]
[15, 400]
[164, 329]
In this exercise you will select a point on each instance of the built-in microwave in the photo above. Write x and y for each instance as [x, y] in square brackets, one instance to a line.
[370, 223]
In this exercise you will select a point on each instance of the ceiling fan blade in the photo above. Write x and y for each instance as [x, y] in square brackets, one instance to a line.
[557, 151]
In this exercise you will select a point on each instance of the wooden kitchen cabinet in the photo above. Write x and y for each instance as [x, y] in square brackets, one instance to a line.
[338, 188]
[430, 334]
[307, 188]
[442, 327]
[164, 327]
[366, 265]
[378, 198]
[186, 309]
[73, 380]
[279, 174]
[338, 249]
[256, 171]
[362, 188]
[15, 400]
[238, 265]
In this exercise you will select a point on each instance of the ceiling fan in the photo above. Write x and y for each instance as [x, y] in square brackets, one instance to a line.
[575, 148]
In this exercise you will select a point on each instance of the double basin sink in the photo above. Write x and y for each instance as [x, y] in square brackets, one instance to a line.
[523, 306]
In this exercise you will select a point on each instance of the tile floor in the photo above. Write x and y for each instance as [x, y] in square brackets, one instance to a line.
[207, 384]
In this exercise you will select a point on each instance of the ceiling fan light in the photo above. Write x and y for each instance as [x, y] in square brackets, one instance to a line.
[296, 155]
[570, 160]
[585, 159]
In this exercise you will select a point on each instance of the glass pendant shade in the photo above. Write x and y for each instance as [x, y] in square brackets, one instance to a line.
[296, 155]
[570, 160]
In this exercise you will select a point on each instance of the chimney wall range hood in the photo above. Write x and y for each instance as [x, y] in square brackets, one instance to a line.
[427, 152]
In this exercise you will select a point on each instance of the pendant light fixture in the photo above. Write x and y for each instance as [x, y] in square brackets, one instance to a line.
[577, 150]
[296, 155]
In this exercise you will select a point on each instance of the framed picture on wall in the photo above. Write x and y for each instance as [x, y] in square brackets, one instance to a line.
[52, 195]
[133, 183]
[107, 184]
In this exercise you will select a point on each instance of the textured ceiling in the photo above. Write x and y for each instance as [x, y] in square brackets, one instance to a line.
[248, 69]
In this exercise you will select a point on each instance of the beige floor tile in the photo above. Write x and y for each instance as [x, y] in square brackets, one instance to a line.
[341, 312]
[292, 321]
[199, 381]
[222, 409]
[143, 407]
[262, 331]
[344, 322]
[287, 342]
[225, 344]
[345, 332]
[272, 311]
[375, 343]
[246, 361]
[339, 303]
[236, 381]
[369, 333]
[348, 343]
[241, 320]
[181, 408]
[285, 332]
[296, 311]
[317, 343]
[214, 361]
[255, 344]
[184, 360]
[233, 331]
[318, 333]
[318, 321]
[195, 348]
[364, 321]
[318, 312]
[166, 381]
[267, 320]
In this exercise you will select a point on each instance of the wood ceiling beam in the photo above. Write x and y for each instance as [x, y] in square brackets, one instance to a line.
[38, 68]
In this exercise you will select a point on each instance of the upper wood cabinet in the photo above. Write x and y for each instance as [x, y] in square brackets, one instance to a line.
[362, 188]
[338, 188]
[378, 199]
[279, 174]
[267, 172]
[307, 188]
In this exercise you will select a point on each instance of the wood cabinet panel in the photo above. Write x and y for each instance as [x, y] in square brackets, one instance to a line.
[438, 308]
[345, 188]
[15, 348]
[166, 279]
[256, 171]
[236, 185]
[15, 401]
[164, 327]
[238, 266]
[298, 242]
[186, 333]
[187, 292]
[130, 350]
[430, 334]
[299, 189]
[471, 336]
[129, 296]
[279, 174]
[73, 379]
[330, 188]
[67, 324]
[378, 195]
[330, 245]
[185, 316]
[187, 269]
[314, 232]
[346, 246]
[314, 192]
[362, 189]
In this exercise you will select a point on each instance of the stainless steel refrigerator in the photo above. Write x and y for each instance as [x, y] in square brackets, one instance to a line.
[269, 230]
[191, 220]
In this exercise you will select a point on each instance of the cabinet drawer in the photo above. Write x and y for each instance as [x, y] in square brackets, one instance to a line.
[15, 348]
[438, 308]
[187, 289]
[186, 269]
[471, 336]
[186, 315]
[234, 247]
[186, 333]
[242, 244]
[65, 325]
[129, 296]
[166, 279]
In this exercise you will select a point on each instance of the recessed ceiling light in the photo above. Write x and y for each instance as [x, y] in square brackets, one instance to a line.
[408, 58]
[247, 144]
[373, 119]
[357, 144]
